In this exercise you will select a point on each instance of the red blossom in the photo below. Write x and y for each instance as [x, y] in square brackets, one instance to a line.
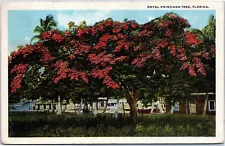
[180, 50]
[157, 55]
[120, 45]
[169, 33]
[108, 23]
[205, 55]
[118, 59]
[182, 20]
[101, 73]
[15, 53]
[110, 83]
[196, 60]
[46, 56]
[184, 66]
[161, 44]
[116, 30]
[125, 26]
[79, 32]
[105, 38]
[137, 48]
[140, 61]
[114, 37]
[126, 46]
[23, 50]
[83, 77]
[134, 25]
[16, 83]
[163, 23]
[57, 37]
[143, 32]
[101, 28]
[73, 74]
[62, 70]
[67, 33]
[172, 49]
[101, 58]
[182, 57]
[202, 70]
[122, 36]
[46, 35]
[87, 30]
[191, 38]
[93, 31]
[20, 70]
[192, 71]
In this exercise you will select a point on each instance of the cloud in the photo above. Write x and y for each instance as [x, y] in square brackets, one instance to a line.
[27, 39]
[150, 18]
[91, 17]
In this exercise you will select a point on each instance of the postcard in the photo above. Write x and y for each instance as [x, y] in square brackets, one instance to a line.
[112, 72]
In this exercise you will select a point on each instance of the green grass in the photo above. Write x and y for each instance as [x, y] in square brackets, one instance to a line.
[71, 125]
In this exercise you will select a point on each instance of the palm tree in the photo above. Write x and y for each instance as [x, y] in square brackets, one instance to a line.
[45, 25]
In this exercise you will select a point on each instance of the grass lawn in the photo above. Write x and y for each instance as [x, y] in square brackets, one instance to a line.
[71, 125]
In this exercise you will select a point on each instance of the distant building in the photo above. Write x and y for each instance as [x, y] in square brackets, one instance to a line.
[22, 106]
[197, 106]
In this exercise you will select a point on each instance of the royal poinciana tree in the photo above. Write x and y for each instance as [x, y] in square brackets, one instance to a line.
[123, 56]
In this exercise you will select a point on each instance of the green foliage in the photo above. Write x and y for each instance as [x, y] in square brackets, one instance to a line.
[210, 30]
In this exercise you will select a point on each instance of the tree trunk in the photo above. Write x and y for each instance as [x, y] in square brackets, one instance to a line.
[52, 109]
[117, 108]
[187, 107]
[133, 117]
[133, 113]
[172, 109]
[74, 107]
[81, 106]
[205, 104]
[123, 109]
[105, 108]
[132, 98]
[59, 111]
[85, 109]
[97, 105]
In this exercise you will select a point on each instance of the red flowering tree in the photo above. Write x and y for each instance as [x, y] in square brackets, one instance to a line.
[124, 56]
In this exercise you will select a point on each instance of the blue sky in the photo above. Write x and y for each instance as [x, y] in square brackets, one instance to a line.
[21, 23]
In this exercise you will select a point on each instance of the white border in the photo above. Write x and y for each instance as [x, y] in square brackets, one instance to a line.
[218, 6]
